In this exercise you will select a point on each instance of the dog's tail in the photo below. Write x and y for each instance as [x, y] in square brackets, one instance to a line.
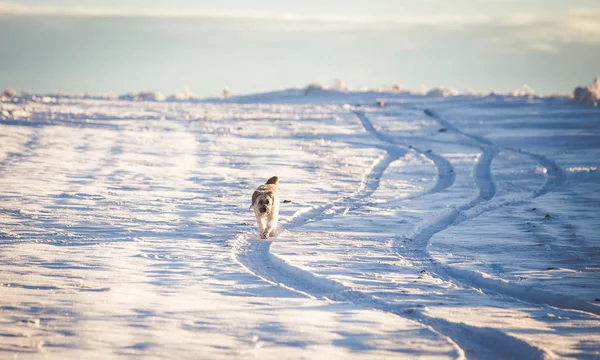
[274, 180]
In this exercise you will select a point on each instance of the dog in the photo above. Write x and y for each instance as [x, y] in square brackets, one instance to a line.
[265, 202]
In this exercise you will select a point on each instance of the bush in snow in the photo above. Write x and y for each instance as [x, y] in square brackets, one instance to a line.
[186, 95]
[523, 91]
[397, 88]
[338, 85]
[9, 93]
[144, 95]
[110, 96]
[314, 86]
[226, 93]
[588, 95]
[472, 92]
[107, 96]
[442, 91]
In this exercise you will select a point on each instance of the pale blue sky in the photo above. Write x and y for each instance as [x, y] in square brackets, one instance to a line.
[123, 45]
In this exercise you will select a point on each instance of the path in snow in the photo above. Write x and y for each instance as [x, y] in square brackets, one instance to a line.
[255, 256]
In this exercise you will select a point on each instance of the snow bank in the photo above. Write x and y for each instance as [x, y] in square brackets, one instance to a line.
[187, 94]
[442, 92]
[13, 113]
[472, 92]
[588, 95]
[523, 91]
[337, 85]
[144, 95]
[107, 96]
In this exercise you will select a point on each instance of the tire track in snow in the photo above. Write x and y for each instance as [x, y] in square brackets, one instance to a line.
[555, 177]
[478, 140]
[255, 256]
[416, 242]
[487, 190]
[445, 171]
[419, 238]
[366, 188]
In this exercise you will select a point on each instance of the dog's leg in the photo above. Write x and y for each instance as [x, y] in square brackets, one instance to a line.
[261, 227]
[271, 226]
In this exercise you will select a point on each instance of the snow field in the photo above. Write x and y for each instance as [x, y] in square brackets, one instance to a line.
[125, 228]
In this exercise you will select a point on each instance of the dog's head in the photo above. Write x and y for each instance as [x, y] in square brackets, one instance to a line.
[263, 201]
[264, 198]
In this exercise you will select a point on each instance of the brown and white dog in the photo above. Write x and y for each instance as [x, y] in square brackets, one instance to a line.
[265, 202]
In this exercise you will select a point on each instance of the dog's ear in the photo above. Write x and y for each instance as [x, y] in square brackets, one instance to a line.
[254, 197]
[274, 180]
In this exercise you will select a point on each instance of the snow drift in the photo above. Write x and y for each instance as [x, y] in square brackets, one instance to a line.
[588, 95]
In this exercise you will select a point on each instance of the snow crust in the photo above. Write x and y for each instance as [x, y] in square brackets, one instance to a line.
[418, 224]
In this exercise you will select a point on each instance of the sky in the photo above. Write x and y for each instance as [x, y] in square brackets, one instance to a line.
[74, 45]
[374, 9]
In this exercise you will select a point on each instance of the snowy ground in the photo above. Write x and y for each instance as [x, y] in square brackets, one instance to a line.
[457, 227]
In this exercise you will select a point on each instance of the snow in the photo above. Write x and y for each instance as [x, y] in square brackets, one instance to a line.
[144, 95]
[438, 225]
[588, 95]
[442, 91]
[524, 90]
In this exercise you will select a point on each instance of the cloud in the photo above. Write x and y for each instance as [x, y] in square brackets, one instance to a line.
[547, 33]
[517, 32]
[11, 8]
